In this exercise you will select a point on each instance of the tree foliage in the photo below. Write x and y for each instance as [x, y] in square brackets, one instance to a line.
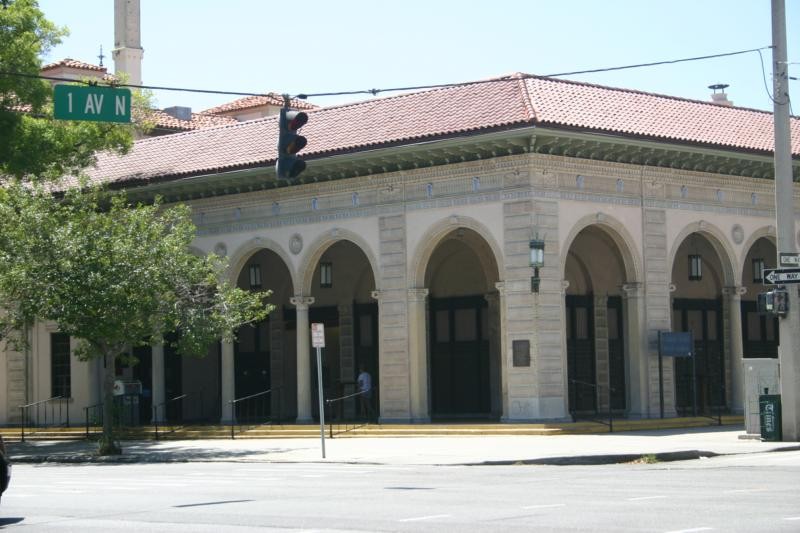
[34, 146]
[113, 275]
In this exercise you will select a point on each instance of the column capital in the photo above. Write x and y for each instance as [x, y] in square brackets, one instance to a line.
[632, 290]
[418, 294]
[301, 302]
[736, 291]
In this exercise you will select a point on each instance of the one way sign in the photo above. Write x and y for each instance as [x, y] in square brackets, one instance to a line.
[780, 276]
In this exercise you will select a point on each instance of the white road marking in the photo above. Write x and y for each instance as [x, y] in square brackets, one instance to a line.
[643, 498]
[691, 530]
[545, 506]
[742, 491]
[792, 518]
[429, 517]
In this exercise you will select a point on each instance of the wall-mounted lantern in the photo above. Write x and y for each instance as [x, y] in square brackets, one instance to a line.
[255, 277]
[758, 270]
[537, 261]
[326, 275]
[695, 267]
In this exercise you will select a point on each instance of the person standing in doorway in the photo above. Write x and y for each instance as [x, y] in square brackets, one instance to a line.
[365, 391]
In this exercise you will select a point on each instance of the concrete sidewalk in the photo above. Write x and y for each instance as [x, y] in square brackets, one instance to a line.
[665, 445]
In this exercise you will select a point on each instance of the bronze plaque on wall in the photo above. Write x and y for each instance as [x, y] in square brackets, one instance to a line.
[522, 353]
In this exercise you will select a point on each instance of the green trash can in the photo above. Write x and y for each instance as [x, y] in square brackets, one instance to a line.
[769, 411]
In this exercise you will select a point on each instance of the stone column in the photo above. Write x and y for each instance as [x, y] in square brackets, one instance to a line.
[418, 352]
[496, 359]
[228, 392]
[159, 387]
[733, 296]
[636, 351]
[302, 303]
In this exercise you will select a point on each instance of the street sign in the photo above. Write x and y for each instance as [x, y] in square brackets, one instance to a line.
[93, 103]
[786, 259]
[318, 335]
[780, 276]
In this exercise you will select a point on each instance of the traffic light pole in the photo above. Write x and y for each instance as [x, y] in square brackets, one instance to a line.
[789, 349]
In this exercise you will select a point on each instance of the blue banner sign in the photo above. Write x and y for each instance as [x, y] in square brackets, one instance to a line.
[675, 344]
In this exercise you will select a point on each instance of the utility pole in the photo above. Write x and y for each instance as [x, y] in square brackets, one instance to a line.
[789, 350]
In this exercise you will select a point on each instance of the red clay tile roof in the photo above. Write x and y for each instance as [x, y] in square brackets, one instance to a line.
[249, 102]
[73, 63]
[507, 103]
[199, 120]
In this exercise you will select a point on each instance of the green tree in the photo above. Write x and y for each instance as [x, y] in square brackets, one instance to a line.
[114, 276]
[33, 146]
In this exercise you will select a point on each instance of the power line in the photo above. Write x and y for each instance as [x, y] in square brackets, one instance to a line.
[375, 92]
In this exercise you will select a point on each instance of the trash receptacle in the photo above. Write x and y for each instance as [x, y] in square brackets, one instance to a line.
[769, 411]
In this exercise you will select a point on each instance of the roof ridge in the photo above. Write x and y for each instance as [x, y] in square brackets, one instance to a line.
[527, 101]
[199, 131]
[639, 91]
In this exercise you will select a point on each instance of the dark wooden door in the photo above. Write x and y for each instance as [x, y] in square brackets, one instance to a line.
[700, 380]
[459, 362]
[581, 370]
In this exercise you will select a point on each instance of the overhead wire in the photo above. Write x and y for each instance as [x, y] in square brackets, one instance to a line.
[375, 92]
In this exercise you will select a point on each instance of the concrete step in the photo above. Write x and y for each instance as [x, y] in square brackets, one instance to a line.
[284, 431]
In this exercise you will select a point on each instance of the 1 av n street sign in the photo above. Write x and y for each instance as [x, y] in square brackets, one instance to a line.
[780, 276]
[99, 104]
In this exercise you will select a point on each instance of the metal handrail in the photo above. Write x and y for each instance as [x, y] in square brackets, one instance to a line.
[347, 427]
[23, 417]
[236, 401]
[596, 386]
[164, 406]
[86, 415]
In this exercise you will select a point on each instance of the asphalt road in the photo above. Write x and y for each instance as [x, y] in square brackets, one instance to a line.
[755, 492]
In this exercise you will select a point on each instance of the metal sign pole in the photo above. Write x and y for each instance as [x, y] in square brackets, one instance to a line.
[321, 400]
[318, 342]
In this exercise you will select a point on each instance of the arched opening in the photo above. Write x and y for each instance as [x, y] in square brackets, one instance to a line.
[596, 365]
[264, 352]
[760, 336]
[463, 366]
[342, 286]
[698, 277]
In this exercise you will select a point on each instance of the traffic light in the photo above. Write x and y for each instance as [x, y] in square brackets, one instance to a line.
[289, 166]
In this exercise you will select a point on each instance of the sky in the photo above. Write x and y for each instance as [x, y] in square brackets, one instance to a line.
[322, 46]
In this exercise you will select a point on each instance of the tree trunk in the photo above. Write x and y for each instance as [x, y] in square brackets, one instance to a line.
[107, 444]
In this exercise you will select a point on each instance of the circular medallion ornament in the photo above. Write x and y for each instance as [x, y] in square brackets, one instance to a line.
[737, 233]
[296, 244]
[220, 249]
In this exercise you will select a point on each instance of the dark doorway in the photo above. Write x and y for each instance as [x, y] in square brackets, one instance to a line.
[329, 316]
[760, 334]
[143, 371]
[173, 379]
[252, 370]
[460, 357]
[581, 369]
[705, 394]
[616, 353]
[365, 332]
